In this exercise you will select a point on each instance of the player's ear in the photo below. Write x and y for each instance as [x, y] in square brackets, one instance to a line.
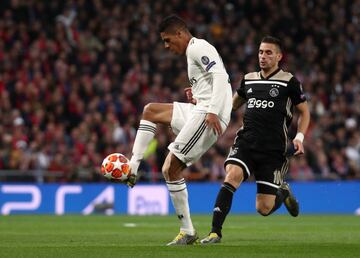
[279, 56]
[179, 33]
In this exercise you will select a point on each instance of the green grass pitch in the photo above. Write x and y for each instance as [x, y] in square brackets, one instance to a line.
[136, 236]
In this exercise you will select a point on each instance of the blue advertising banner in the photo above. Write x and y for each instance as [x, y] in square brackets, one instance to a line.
[318, 197]
[341, 197]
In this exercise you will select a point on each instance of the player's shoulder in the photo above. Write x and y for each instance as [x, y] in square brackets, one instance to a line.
[197, 44]
[252, 76]
[283, 76]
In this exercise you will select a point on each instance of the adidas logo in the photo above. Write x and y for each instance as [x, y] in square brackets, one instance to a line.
[249, 90]
[217, 209]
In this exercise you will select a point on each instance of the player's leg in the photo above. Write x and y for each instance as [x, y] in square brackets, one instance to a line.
[272, 191]
[291, 204]
[266, 204]
[158, 113]
[172, 171]
[234, 177]
[268, 176]
[153, 114]
[237, 171]
[192, 141]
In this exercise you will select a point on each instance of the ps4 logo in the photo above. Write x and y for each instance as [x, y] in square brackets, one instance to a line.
[37, 199]
[83, 198]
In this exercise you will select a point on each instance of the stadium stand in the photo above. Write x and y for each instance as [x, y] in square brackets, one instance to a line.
[75, 76]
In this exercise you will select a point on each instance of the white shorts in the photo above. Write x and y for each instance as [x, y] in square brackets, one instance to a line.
[193, 137]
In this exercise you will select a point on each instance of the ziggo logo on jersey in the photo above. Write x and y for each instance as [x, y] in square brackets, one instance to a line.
[257, 103]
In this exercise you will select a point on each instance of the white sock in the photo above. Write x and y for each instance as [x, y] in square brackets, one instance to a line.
[179, 197]
[144, 135]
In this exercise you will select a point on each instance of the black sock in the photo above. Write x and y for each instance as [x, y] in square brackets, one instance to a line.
[222, 207]
[280, 197]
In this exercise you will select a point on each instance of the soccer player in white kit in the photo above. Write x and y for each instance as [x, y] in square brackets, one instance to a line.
[197, 124]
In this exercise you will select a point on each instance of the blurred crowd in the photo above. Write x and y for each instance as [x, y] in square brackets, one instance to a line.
[75, 76]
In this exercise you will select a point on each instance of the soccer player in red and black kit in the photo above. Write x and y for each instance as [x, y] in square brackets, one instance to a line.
[261, 145]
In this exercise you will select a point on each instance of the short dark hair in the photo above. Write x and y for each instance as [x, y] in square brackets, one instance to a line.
[172, 23]
[272, 40]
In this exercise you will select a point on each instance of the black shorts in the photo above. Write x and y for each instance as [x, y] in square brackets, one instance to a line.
[269, 168]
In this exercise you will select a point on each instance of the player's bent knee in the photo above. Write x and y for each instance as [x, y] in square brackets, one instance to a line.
[148, 112]
[158, 113]
[263, 213]
[264, 208]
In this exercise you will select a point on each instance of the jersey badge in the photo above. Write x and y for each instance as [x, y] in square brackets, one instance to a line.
[249, 90]
[205, 60]
[274, 92]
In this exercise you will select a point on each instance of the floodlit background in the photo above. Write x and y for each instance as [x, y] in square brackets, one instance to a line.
[75, 76]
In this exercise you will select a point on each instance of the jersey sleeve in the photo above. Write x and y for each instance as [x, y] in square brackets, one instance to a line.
[296, 92]
[207, 57]
[241, 90]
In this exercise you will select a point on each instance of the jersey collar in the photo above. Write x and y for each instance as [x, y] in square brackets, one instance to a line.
[270, 75]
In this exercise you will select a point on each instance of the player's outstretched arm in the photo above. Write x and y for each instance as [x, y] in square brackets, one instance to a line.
[303, 123]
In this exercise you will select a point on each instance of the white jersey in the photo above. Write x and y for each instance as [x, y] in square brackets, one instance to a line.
[209, 80]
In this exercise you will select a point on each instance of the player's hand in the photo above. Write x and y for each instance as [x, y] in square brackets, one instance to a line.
[212, 121]
[189, 95]
[298, 147]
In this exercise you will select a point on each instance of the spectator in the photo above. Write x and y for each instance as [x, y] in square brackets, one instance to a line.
[74, 78]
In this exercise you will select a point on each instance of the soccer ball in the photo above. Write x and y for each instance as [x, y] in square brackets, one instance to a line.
[115, 166]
